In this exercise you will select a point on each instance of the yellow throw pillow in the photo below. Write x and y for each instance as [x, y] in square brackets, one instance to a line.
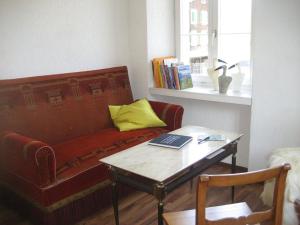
[137, 115]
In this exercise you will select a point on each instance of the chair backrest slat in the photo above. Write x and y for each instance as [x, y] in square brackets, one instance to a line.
[243, 178]
[278, 197]
[274, 214]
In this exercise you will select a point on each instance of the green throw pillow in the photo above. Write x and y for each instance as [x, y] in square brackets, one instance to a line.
[137, 115]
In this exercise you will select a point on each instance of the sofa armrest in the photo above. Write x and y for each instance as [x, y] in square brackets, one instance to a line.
[27, 158]
[171, 114]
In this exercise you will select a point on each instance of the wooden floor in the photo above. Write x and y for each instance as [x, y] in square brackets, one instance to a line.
[140, 208]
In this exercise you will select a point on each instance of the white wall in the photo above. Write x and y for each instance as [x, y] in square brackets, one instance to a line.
[151, 34]
[138, 47]
[276, 79]
[46, 37]
[161, 30]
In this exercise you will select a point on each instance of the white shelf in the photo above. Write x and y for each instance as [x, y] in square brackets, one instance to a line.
[206, 94]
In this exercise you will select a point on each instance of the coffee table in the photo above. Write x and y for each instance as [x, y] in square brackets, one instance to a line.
[158, 170]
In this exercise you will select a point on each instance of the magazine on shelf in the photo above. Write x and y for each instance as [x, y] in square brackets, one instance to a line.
[170, 140]
[184, 76]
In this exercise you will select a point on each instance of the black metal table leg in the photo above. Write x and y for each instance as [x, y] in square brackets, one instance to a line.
[115, 201]
[233, 168]
[160, 210]
[159, 193]
[192, 181]
[115, 194]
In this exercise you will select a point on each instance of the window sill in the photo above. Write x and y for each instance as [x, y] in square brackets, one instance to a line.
[206, 94]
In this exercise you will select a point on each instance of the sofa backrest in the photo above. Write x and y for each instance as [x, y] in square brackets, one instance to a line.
[55, 108]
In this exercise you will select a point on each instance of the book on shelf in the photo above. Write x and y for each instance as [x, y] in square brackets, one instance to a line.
[171, 76]
[184, 76]
[157, 71]
[169, 73]
[169, 61]
[168, 78]
[164, 76]
[170, 141]
[175, 75]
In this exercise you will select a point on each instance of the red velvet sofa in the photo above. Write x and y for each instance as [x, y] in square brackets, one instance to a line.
[53, 131]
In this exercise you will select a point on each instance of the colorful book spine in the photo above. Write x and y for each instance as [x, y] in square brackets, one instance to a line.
[176, 79]
[171, 76]
[164, 76]
[156, 73]
[169, 81]
[158, 76]
[184, 76]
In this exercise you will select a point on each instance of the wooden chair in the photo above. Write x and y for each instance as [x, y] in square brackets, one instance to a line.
[238, 213]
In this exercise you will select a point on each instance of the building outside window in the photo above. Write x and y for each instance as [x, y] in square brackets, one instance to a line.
[215, 29]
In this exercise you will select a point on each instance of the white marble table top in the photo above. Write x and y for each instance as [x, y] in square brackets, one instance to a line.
[159, 163]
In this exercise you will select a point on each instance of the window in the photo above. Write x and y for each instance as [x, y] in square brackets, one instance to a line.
[214, 29]
[194, 16]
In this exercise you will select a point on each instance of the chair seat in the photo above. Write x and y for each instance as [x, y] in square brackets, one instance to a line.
[188, 217]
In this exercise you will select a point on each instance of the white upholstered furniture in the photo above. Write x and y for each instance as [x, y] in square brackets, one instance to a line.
[292, 191]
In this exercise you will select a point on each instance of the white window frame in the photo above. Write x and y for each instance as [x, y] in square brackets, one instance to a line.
[212, 39]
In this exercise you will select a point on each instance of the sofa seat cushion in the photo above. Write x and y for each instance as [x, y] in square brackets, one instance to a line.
[78, 166]
[80, 153]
